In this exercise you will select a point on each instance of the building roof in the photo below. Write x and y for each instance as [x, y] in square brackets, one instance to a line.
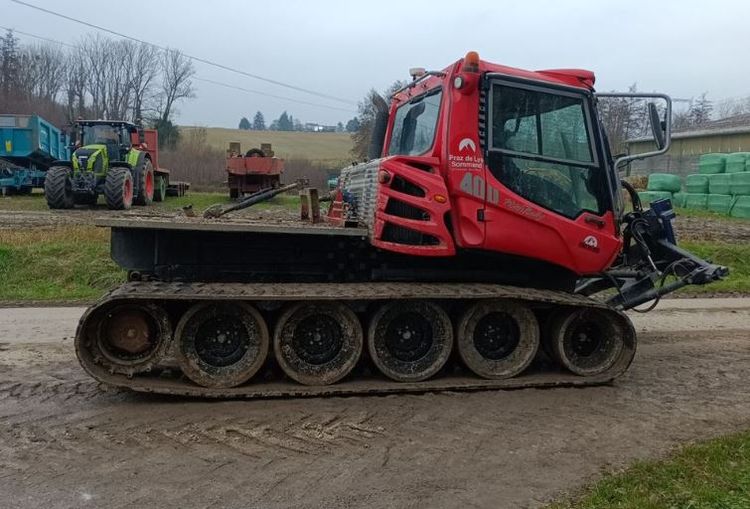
[738, 124]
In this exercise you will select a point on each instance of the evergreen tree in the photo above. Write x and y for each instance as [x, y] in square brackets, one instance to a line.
[339, 127]
[353, 125]
[245, 124]
[285, 122]
[259, 122]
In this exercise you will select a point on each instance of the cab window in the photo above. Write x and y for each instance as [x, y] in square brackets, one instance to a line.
[541, 148]
[415, 124]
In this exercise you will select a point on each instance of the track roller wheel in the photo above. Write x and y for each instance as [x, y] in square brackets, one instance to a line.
[318, 343]
[221, 344]
[589, 342]
[497, 339]
[410, 341]
[132, 338]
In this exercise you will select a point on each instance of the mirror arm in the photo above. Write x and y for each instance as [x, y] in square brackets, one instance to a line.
[667, 134]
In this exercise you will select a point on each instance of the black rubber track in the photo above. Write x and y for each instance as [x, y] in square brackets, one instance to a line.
[58, 189]
[363, 298]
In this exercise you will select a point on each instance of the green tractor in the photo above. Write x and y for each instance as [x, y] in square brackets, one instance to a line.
[110, 158]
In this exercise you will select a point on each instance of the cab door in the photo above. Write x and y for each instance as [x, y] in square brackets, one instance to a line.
[547, 194]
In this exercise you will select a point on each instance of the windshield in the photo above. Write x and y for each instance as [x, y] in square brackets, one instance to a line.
[541, 148]
[415, 124]
[100, 134]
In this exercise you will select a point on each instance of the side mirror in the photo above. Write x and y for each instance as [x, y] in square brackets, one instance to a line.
[657, 126]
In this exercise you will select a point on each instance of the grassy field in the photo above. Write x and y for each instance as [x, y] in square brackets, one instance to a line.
[734, 256]
[714, 474]
[56, 264]
[320, 147]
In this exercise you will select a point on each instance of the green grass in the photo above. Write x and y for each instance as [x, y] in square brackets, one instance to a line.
[34, 201]
[706, 214]
[321, 147]
[734, 256]
[710, 475]
[63, 263]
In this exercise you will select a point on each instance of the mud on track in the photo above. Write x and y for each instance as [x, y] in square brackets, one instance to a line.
[66, 443]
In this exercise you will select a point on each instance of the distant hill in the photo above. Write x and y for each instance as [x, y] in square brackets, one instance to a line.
[317, 147]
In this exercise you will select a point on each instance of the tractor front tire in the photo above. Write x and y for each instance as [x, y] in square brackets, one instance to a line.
[58, 189]
[118, 189]
[146, 185]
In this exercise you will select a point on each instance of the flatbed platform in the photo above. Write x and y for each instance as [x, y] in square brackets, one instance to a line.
[229, 225]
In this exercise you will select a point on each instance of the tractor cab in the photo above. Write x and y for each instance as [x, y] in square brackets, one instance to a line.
[115, 136]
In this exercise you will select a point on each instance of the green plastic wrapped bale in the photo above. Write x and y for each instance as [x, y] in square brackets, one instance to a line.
[739, 183]
[719, 183]
[651, 196]
[720, 203]
[741, 207]
[679, 199]
[696, 201]
[664, 182]
[736, 162]
[697, 184]
[709, 164]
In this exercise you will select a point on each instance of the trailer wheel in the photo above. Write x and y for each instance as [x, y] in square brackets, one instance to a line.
[160, 192]
[221, 344]
[146, 185]
[498, 339]
[318, 343]
[410, 341]
[58, 189]
[118, 189]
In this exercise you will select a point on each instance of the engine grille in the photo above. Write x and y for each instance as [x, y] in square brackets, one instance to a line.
[359, 185]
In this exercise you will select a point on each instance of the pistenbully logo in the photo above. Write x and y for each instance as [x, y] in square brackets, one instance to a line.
[467, 143]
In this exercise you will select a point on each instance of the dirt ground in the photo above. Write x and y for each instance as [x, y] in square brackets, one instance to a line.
[65, 442]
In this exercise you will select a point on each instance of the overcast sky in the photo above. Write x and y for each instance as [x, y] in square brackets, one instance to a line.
[343, 48]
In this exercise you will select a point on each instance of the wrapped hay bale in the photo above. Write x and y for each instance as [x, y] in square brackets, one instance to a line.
[696, 201]
[647, 197]
[720, 203]
[718, 183]
[709, 164]
[696, 183]
[741, 207]
[736, 162]
[664, 182]
[679, 200]
[739, 183]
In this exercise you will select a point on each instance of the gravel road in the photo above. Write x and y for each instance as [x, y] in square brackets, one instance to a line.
[65, 442]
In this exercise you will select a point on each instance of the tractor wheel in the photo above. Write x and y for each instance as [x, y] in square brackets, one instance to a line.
[58, 189]
[160, 191]
[118, 189]
[146, 185]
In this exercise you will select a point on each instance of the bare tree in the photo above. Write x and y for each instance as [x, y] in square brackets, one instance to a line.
[177, 83]
[368, 109]
[144, 64]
